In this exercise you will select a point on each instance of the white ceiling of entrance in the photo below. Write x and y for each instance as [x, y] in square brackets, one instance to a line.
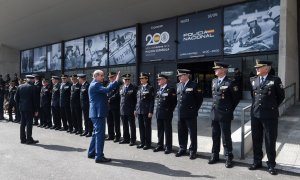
[29, 23]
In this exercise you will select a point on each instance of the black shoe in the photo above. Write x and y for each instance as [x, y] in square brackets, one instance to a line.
[180, 153]
[109, 138]
[84, 134]
[124, 142]
[91, 156]
[255, 166]
[272, 170]
[193, 156]
[52, 127]
[229, 163]
[140, 146]
[116, 140]
[168, 151]
[39, 125]
[146, 147]
[89, 135]
[62, 129]
[47, 127]
[23, 141]
[78, 133]
[213, 159]
[74, 131]
[32, 141]
[158, 148]
[132, 143]
[103, 160]
[57, 128]
[35, 124]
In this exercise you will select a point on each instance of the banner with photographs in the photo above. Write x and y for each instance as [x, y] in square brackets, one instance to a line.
[54, 56]
[200, 34]
[96, 53]
[27, 61]
[74, 55]
[39, 59]
[122, 48]
[252, 27]
[158, 40]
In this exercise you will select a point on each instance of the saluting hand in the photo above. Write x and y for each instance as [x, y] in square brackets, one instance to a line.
[118, 76]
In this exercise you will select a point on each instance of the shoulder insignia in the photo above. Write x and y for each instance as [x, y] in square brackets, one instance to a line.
[199, 90]
[236, 88]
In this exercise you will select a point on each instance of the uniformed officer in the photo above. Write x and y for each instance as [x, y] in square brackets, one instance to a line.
[75, 105]
[127, 105]
[2, 93]
[267, 94]
[65, 110]
[113, 118]
[55, 103]
[144, 110]
[26, 99]
[45, 104]
[226, 96]
[84, 102]
[166, 103]
[38, 87]
[189, 98]
[11, 100]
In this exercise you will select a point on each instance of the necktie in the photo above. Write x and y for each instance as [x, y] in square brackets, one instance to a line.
[262, 79]
[126, 88]
[219, 82]
[161, 90]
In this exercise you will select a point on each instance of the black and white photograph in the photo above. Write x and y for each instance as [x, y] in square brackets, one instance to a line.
[27, 61]
[54, 56]
[122, 48]
[96, 53]
[40, 60]
[252, 27]
[74, 55]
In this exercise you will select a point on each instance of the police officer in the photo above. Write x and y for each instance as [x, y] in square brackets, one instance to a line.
[55, 103]
[144, 110]
[127, 105]
[166, 103]
[26, 99]
[45, 104]
[65, 110]
[84, 102]
[38, 87]
[189, 98]
[267, 94]
[75, 105]
[113, 118]
[226, 97]
[11, 100]
[2, 94]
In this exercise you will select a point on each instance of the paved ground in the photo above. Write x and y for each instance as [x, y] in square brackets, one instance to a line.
[63, 156]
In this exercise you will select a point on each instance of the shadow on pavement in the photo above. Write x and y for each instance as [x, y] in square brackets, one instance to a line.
[60, 148]
[154, 168]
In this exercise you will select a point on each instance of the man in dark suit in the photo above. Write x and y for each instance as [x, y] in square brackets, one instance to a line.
[65, 110]
[26, 99]
[11, 100]
[84, 103]
[127, 105]
[189, 98]
[166, 103]
[144, 110]
[75, 105]
[2, 93]
[98, 113]
[267, 94]
[38, 87]
[226, 96]
[55, 103]
[113, 118]
[45, 104]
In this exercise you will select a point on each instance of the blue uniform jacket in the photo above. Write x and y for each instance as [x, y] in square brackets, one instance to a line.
[98, 98]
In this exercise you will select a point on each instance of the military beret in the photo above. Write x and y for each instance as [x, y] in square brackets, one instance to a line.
[260, 63]
[161, 76]
[126, 76]
[144, 75]
[220, 65]
[183, 72]
[111, 74]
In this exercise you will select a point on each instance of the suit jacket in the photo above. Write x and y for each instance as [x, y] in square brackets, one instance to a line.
[189, 99]
[45, 96]
[114, 98]
[65, 93]
[75, 95]
[226, 97]
[55, 95]
[11, 95]
[26, 98]
[38, 87]
[266, 97]
[166, 103]
[84, 96]
[128, 99]
[145, 100]
[98, 98]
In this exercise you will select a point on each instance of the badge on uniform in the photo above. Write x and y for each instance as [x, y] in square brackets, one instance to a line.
[235, 88]
[253, 83]
[66, 87]
[223, 87]
[270, 83]
[165, 94]
[189, 89]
